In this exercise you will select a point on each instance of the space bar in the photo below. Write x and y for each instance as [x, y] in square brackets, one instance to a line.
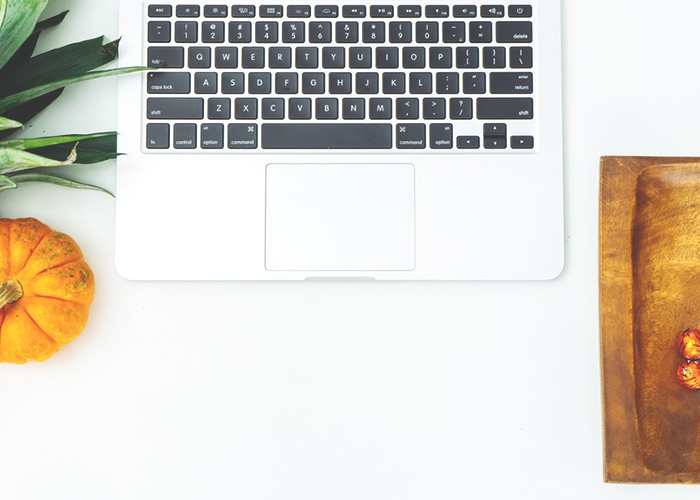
[326, 136]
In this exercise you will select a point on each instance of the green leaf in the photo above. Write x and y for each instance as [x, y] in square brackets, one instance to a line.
[7, 183]
[94, 150]
[25, 112]
[6, 123]
[53, 179]
[51, 21]
[13, 160]
[11, 101]
[64, 62]
[18, 23]
[3, 8]
[29, 45]
[40, 142]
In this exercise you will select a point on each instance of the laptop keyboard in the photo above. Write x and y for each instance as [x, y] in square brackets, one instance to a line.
[453, 78]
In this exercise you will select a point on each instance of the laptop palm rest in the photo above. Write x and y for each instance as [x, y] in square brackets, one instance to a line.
[340, 217]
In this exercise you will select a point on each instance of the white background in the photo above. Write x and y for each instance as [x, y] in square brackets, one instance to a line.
[345, 390]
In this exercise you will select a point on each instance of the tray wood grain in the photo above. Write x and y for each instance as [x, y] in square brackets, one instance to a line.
[649, 293]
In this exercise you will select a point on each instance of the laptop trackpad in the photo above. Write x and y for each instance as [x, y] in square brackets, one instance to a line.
[340, 217]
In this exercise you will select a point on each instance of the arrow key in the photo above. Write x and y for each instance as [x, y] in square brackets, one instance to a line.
[522, 142]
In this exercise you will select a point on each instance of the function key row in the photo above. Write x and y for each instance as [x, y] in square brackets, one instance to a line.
[336, 136]
[399, 32]
[348, 11]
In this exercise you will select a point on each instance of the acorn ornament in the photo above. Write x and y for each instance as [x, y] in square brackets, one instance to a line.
[689, 374]
[689, 344]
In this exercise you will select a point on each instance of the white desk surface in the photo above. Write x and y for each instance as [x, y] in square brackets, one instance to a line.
[317, 391]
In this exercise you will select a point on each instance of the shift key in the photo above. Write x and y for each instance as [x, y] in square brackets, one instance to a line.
[173, 108]
[504, 108]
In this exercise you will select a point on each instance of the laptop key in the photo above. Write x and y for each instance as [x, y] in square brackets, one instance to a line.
[162, 82]
[522, 142]
[409, 11]
[212, 136]
[407, 109]
[437, 11]
[186, 31]
[326, 11]
[159, 32]
[213, 32]
[326, 108]
[242, 136]
[461, 108]
[504, 108]
[440, 136]
[299, 108]
[410, 135]
[205, 83]
[199, 57]
[272, 108]
[243, 11]
[511, 83]
[266, 32]
[380, 108]
[239, 32]
[246, 108]
[187, 11]
[160, 10]
[521, 57]
[468, 142]
[326, 136]
[185, 136]
[158, 136]
[514, 32]
[434, 108]
[166, 57]
[295, 11]
[226, 57]
[464, 11]
[219, 108]
[353, 109]
[271, 11]
[480, 32]
[215, 11]
[174, 108]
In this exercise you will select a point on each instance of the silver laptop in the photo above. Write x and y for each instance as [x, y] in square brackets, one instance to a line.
[387, 141]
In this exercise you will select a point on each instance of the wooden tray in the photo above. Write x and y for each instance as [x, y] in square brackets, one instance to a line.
[649, 294]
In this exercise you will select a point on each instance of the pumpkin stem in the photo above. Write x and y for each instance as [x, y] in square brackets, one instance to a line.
[10, 291]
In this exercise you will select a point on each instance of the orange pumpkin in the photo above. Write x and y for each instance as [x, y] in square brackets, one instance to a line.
[45, 293]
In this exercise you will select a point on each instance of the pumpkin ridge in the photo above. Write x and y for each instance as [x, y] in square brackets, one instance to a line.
[56, 266]
[37, 296]
[38, 327]
[31, 254]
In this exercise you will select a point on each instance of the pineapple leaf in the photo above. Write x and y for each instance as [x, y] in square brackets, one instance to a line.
[19, 19]
[7, 183]
[52, 179]
[65, 62]
[28, 47]
[92, 150]
[11, 101]
[51, 21]
[6, 123]
[13, 160]
[25, 112]
[41, 142]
